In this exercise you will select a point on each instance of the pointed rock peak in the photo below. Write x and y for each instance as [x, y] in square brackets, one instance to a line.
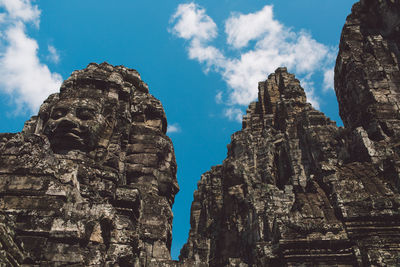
[280, 91]
[280, 86]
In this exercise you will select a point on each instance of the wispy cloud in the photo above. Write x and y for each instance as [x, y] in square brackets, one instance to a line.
[21, 10]
[22, 74]
[241, 29]
[329, 79]
[218, 97]
[192, 22]
[53, 54]
[309, 88]
[262, 44]
[173, 128]
[234, 114]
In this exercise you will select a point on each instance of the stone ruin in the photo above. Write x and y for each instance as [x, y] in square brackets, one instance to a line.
[90, 181]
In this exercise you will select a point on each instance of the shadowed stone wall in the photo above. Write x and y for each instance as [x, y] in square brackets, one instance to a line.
[295, 190]
[91, 180]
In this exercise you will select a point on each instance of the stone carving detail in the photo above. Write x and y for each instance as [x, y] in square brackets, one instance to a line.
[268, 204]
[90, 181]
[297, 190]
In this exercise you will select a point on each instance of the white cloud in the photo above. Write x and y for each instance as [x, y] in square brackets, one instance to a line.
[53, 54]
[218, 97]
[329, 79]
[275, 45]
[173, 128]
[308, 86]
[21, 10]
[3, 17]
[209, 55]
[193, 22]
[22, 75]
[234, 114]
[241, 29]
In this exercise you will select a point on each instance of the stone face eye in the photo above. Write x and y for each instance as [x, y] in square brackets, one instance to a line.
[58, 113]
[85, 113]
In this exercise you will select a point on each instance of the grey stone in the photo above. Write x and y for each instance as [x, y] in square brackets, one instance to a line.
[65, 180]
[90, 181]
[295, 190]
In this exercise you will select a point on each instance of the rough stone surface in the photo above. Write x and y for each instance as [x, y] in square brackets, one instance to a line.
[295, 190]
[90, 181]
[270, 202]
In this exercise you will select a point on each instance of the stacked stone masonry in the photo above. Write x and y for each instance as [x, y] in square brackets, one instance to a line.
[296, 190]
[91, 180]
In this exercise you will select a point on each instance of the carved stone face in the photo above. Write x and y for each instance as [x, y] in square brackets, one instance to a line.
[75, 124]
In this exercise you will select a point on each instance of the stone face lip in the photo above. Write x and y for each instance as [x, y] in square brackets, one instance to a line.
[90, 181]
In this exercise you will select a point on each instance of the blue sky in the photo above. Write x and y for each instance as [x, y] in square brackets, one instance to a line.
[202, 59]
